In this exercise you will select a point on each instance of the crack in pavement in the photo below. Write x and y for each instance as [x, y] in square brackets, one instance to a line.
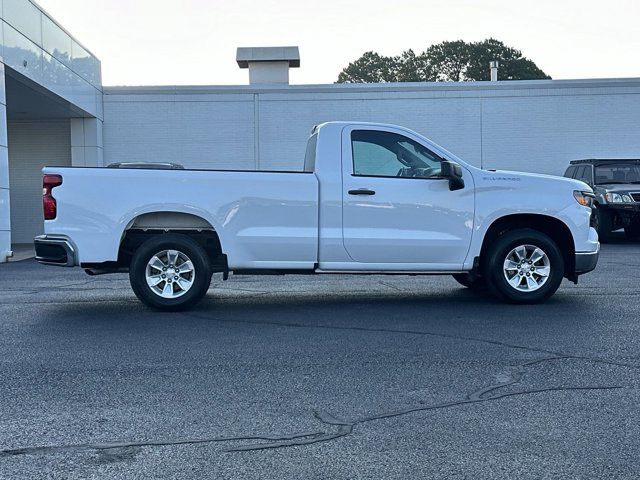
[345, 427]
[67, 286]
[150, 443]
[87, 286]
[418, 332]
[390, 285]
[374, 330]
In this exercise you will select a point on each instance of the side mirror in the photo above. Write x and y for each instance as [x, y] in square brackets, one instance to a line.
[453, 172]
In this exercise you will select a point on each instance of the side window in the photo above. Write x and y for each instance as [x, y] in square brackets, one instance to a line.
[588, 174]
[387, 154]
[569, 172]
[310, 154]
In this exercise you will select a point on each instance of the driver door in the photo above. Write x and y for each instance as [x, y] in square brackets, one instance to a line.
[396, 208]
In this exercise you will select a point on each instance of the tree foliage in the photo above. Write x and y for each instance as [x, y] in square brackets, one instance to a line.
[445, 62]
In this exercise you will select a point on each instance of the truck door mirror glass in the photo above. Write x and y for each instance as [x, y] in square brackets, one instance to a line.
[453, 172]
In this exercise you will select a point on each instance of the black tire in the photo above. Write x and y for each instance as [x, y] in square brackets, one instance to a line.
[493, 266]
[602, 221]
[188, 247]
[473, 282]
[632, 232]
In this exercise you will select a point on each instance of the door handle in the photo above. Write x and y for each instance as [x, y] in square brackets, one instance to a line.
[362, 191]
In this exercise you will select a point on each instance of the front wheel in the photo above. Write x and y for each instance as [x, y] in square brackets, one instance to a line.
[632, 231]
[602, 221]
[524, 266]
[170, 272]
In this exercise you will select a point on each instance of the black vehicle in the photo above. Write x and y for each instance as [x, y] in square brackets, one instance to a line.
[616, 184]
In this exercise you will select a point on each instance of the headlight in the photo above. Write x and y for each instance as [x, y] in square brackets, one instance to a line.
[617, 198]
[613, 197]
[584, 198]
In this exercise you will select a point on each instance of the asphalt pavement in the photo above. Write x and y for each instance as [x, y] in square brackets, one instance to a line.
[320, 377]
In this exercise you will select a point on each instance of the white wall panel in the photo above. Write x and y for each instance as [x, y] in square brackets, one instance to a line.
[4, 202]
[5, 215]
[532, 126]
[33, 146]
[542, 134]
[3, 90]
[3, 123]
[5, 242]
[453, 123]
[4, 168]
[209, 134]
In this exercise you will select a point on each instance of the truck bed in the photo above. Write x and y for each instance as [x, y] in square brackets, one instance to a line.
[264, 219]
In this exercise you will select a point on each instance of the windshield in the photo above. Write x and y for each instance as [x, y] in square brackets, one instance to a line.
[618, 173]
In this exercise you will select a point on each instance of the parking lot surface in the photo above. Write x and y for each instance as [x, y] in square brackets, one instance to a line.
[319, 377]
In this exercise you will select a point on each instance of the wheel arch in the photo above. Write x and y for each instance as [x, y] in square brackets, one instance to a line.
[157, 222]
[553, 227]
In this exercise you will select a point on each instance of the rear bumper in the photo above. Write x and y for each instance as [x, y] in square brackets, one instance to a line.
[586, 261]
[55, 251]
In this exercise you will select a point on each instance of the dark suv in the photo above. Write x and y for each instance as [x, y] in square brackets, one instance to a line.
[616, 184]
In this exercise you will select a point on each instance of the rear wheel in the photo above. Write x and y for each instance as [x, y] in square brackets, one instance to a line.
[170, 272]
[524, 266]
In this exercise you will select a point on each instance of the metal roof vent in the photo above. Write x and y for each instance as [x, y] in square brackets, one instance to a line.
[268, 65]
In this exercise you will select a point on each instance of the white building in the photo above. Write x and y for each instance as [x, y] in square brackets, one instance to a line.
[56, 106]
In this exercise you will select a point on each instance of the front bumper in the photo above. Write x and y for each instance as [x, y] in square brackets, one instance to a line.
[623, 209]
[55, 251]
[632, 207]
[586, 261]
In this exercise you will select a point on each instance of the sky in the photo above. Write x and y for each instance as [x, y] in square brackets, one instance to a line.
[193, 42]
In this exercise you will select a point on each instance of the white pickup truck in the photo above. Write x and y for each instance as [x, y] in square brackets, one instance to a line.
[372, 199]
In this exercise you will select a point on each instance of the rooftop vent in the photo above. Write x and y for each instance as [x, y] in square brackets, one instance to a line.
[493, 66]
[268, 65]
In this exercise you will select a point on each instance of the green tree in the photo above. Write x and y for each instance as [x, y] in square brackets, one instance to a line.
[370, 68]
[410, 67]
[374, 68]
[513, 66]
[449, 60]
[444, 62]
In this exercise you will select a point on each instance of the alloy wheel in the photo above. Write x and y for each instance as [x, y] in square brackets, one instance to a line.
[170, 273]
[527, 268]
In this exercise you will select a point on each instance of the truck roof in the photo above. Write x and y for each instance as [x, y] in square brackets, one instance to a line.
[355, 122]
[604, 161]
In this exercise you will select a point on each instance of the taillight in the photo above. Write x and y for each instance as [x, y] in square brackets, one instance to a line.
[49, 182]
